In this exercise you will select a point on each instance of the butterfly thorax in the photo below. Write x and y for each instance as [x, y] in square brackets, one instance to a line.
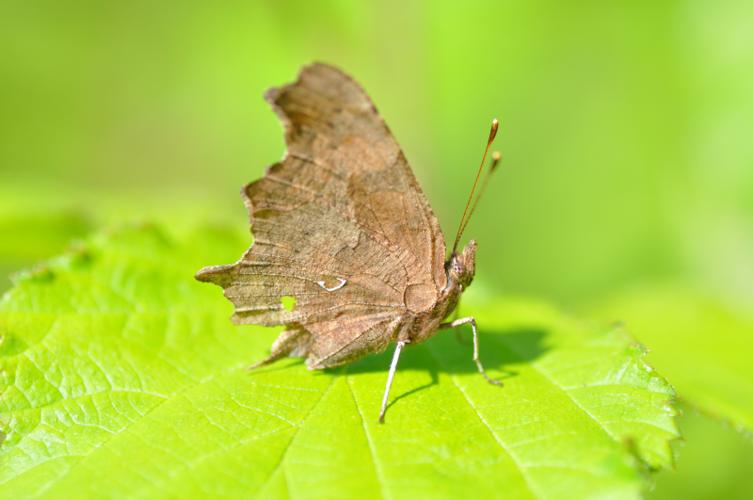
[460, 269]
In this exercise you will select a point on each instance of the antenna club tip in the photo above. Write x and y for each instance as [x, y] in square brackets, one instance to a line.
[496, 157]
[493, 130]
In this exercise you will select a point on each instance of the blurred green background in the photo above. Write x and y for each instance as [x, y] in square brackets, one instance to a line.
[627, 136]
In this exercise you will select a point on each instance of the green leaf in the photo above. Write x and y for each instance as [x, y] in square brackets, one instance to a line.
[701, 344]
[122, 376]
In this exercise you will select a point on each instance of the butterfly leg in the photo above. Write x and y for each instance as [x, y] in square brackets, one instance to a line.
[458, 334]
[472, 321]
[391, 375]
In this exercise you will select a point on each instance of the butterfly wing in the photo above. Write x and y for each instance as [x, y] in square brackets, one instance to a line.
[340, 224]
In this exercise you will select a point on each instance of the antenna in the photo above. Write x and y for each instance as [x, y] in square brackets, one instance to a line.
[495, 160]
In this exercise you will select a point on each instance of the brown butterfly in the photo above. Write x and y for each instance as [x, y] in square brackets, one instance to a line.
[342, 227]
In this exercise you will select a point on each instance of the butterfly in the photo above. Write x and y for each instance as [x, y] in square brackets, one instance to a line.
[342, 229]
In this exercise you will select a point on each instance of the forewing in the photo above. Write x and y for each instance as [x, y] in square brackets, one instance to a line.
[331, 123]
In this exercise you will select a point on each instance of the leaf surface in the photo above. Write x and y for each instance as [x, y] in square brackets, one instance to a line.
[122, 376]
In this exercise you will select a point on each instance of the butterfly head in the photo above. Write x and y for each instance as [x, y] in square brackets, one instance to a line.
[462, 266]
